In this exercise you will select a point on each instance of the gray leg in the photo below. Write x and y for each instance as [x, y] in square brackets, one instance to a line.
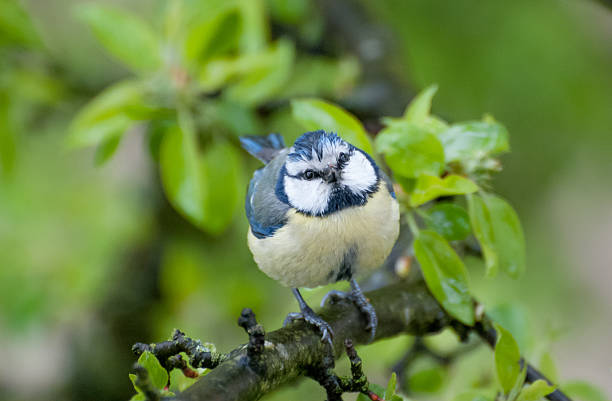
[308, 315]
[356, 296]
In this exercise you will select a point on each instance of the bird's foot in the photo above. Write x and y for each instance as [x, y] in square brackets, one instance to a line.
[362, 303]
[310, 317]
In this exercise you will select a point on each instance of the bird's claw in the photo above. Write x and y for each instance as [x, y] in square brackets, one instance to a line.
[310, 317]
[361, 302]
[334, 296]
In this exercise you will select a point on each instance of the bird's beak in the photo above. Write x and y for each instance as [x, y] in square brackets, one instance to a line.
[330, 174]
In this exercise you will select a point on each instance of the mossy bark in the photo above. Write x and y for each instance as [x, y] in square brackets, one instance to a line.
[294, 350]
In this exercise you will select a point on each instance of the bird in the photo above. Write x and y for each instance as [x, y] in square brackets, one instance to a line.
[319, 212]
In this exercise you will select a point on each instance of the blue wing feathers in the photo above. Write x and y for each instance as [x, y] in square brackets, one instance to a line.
[265, 212]
[265, 148]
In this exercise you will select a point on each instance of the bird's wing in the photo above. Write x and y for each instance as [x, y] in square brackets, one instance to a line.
[266, 213]
[387, 182]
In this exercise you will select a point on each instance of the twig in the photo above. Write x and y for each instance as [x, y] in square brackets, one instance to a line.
[167, 351]
[334, 385]
[486, 331]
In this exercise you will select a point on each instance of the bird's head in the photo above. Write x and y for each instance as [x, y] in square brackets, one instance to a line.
[323, 174]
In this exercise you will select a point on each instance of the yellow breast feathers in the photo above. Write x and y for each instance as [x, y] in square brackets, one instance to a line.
[311, 251]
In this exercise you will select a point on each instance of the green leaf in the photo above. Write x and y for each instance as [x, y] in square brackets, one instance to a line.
[514, 318]
[390, 391]
[418, 113]
[445, 274]
[535, 391]
[203, 187]
[321, 76]
[474, 140]
[410, 151]
[179, 382]
[106, 116]
[180, 172]
[316, 114]
[102, 131]
[430, 187]
[426, 376]
[16, 26]
[106, 150]
[254, 26]
[518, 385]
[584, 391]
[133, 380]
[507, 359]
[8, 140]
[157, 374]
[262, 83]
[213, 34]
[419, 108]
[482, 224]
[449, 220]
[124, 35]
[376, 389]
[500, 234]
[221, 172]
[548, 368]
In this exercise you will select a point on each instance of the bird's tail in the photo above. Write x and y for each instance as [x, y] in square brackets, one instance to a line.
[265, 148]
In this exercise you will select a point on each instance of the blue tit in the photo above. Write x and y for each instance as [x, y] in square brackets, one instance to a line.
[320, 211]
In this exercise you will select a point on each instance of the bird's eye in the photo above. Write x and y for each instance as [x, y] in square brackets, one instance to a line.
[309, 174]
[342, 157]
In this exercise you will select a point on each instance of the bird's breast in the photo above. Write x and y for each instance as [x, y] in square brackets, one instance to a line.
[311, 251]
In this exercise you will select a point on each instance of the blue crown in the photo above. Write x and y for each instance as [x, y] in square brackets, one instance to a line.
[317, 141]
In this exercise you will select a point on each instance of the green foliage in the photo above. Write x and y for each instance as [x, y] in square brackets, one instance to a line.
[157, 374]
[426, 376]
[16, 26]
[191, 178]
[125, 36]
[179, 382]
[418, 112]
[69, 230]
[429, 187]
[548, 367]
[449, 220]
[445, 275]
[107, 116]
[315, 114]
[535, 391]
[584, 391]
[207, 47]
[499, 231]
[8, 146]
[466, 142]
[507, 358]
[387, 393]
[410, 151]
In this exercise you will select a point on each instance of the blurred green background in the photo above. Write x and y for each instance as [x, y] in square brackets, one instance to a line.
[95, 258]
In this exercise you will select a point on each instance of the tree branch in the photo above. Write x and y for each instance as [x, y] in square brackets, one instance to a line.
[250, 371]
[294, 350]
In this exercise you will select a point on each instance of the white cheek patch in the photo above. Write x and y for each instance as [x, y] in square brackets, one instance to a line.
[307, 196]
[359, 174]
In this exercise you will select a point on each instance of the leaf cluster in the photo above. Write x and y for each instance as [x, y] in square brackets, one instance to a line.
[197, 80]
